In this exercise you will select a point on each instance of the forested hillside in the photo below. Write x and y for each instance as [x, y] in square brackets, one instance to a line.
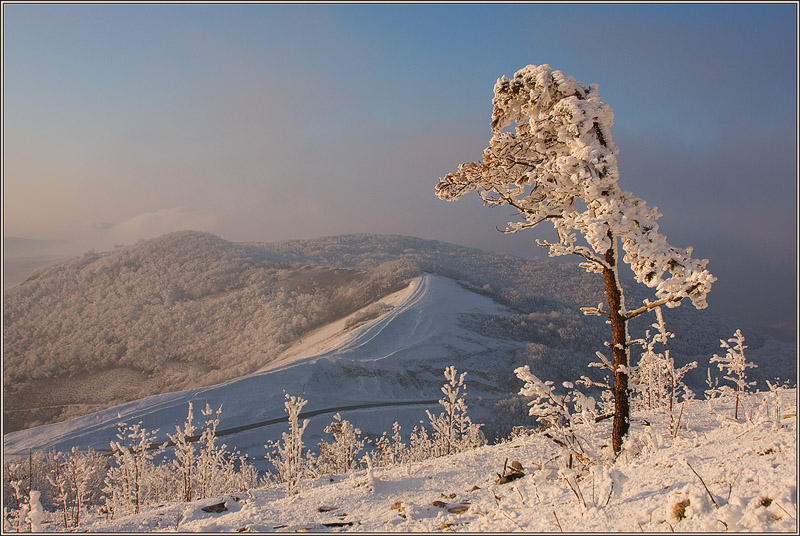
[162, 315]
[191, 309]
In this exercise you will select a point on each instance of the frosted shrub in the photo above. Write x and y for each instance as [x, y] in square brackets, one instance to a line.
[85, 471]
[210, 456]
[247, 475]
[184, 461]
[20, 477]
[161, 484]
[389, 452]
[774, 412]
[655, 380]
[287, 457]
[58, 479]
[553, 411]
[339, 457]
[453, 430]
[125, 479]
[421, 446]
[735, 364]
[31, 473]
[75, 478]
[16, 518]
[205, 469]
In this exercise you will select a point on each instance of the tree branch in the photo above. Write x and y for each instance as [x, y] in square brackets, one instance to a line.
[583, 252]
[594, 311]
[649, 306]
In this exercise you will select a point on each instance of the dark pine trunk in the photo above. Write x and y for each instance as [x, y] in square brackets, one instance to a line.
[618, 349]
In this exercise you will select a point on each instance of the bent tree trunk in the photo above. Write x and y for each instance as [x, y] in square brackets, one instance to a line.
[619, 348]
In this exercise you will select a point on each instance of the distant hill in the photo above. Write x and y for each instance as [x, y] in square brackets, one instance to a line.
[190, 309]
[22, 255]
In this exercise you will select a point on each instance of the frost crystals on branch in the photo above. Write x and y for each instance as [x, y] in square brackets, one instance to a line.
[552, 158]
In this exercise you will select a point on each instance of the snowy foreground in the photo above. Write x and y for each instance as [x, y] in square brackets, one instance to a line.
[716, 475]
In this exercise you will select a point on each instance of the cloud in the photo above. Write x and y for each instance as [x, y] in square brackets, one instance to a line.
[159, 222]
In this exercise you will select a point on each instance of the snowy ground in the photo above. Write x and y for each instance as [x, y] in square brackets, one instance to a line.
[749, 468]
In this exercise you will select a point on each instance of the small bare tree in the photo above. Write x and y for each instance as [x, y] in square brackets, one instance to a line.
[558, 164]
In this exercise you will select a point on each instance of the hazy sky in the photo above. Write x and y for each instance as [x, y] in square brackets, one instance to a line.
[266, 122]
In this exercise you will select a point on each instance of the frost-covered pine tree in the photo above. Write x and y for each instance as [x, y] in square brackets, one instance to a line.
[558, 164]
[735, 364]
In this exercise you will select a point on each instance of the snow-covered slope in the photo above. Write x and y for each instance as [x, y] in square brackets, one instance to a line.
[395, 360]
[712, 475]
[422, 319]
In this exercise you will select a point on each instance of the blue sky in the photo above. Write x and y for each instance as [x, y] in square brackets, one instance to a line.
[267, 122]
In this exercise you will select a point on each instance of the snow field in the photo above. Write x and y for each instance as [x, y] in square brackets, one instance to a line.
[659, 483]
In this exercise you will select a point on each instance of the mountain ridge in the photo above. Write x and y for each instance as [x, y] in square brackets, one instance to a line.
[190, 309]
